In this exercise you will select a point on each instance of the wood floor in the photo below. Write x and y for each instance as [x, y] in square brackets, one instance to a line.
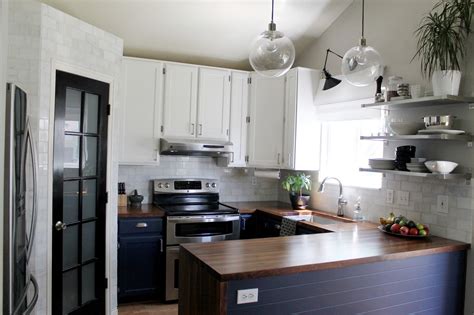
[148, 308]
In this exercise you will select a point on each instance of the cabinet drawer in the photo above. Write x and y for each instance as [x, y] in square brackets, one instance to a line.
[140, 225]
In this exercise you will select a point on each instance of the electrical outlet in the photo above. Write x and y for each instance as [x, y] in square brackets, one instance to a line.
[254, 180]
[389, 196]
[403, 198]
[443, 204]
[247, 296]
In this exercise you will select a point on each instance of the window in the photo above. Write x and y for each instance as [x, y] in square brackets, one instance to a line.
[342, 151]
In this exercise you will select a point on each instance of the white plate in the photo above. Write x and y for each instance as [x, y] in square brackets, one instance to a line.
[441, 131]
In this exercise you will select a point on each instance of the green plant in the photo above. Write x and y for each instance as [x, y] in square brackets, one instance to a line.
[296, 183]
[442, 36]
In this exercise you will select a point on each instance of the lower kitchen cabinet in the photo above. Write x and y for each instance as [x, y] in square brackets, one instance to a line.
[140, 259]
[248, 226]
[267, 226]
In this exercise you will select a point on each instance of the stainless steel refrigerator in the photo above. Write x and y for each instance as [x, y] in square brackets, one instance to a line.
[20, 289]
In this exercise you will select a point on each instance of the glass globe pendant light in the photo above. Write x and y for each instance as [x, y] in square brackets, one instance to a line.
[362, 64]
[272, 53]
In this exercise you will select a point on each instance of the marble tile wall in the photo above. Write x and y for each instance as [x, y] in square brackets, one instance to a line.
[236, 184]
[40, 35]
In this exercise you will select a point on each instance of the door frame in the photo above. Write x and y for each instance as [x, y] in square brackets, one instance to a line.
[112, 173]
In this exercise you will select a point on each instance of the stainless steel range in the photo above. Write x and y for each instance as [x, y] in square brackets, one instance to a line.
[193, 215]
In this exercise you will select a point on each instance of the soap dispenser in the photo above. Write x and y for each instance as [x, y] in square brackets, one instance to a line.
[358, 211]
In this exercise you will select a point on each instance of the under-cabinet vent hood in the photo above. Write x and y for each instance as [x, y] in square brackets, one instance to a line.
[195, 148]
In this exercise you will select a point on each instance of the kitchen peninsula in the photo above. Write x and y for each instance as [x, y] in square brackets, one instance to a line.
[356, 269]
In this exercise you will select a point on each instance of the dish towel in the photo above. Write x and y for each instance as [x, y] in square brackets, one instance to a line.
[288, 227]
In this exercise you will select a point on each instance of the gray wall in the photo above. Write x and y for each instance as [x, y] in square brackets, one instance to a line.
[3, 59]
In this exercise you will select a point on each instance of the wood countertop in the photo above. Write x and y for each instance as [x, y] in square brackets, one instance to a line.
[255, 258]
[147, 210]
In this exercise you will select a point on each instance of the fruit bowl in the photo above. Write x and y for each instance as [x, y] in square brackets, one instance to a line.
[381, 228]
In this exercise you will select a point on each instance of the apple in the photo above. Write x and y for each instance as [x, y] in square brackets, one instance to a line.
[422, 233]
[413, 231]
[404, 230]
[420, 226]
[395, 228]
[427, 229]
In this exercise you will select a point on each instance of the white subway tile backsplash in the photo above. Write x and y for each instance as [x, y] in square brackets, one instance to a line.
[235, 183]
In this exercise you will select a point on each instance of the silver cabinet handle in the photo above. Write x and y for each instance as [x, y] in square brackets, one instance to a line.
[60, 226]
[192, 129]
[141, 225]
[161, 245]
[200, 129]
[289, 159]
[278, 159]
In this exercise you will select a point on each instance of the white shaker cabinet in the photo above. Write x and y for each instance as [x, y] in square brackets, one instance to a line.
[266, 126]
[302, 131]
[180, 101]
[140, 111]
[213, 107]
[239, 102]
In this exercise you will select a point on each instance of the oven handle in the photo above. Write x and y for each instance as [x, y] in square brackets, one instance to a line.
[201, 219]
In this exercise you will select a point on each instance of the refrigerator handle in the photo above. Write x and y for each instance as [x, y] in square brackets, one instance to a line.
[34, 206]
[34, 299]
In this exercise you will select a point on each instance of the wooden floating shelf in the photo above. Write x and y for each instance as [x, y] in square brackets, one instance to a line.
[426, 101]
[446, 137]
[466, 176]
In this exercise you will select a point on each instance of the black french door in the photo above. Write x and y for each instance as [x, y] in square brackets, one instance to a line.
[79, 195]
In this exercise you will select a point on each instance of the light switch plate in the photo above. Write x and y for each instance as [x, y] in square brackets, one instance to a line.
[403, 198]
[443, 204]
[247, 296]
[389, 196]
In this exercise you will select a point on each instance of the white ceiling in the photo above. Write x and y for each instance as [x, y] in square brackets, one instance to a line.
[211, 32]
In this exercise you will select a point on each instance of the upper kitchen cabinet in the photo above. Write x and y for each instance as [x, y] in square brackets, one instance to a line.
[266, 125]
[213, 112]
[141, 107]
[239, 102]
[302, 131]
[180, 101]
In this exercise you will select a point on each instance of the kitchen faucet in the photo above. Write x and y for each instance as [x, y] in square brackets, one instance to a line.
[341, 202]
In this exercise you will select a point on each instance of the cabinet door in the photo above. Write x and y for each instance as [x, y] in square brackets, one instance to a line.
[213, 104]
[141, 108]
[238, 117]
[140, 264]
[180, 100]
[291, 88]
[267, 102]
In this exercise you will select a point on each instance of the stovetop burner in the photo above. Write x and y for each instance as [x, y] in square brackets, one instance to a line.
[198, 209]
[189, 197]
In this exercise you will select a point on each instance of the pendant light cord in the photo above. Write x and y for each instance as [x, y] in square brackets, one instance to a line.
[273, 5]
[363, 17]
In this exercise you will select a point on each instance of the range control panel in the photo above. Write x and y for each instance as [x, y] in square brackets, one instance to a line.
[173, 185]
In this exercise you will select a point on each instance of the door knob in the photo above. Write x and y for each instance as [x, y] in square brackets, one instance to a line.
[59, 226]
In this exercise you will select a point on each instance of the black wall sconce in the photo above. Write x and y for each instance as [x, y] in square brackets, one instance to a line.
[330, 80]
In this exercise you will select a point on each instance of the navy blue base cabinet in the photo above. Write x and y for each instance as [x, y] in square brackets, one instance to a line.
[140, 259]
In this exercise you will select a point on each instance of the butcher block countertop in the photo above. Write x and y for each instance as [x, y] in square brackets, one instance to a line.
[146, 210]
[348, 244]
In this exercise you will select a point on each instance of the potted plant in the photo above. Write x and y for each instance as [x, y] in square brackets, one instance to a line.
[441, 44]
[295, 185]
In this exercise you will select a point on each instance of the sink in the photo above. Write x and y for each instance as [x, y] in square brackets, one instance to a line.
[315, 219]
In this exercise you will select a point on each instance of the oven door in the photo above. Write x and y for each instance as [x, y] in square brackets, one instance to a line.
[172, 277]
[202, 229]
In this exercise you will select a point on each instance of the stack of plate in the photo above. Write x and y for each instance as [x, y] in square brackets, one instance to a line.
[382, 164]
[418, 167]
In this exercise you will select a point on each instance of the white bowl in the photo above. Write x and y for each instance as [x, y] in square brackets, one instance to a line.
[406, 128]
[418, 160]
[441, 167]
[382, 164]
